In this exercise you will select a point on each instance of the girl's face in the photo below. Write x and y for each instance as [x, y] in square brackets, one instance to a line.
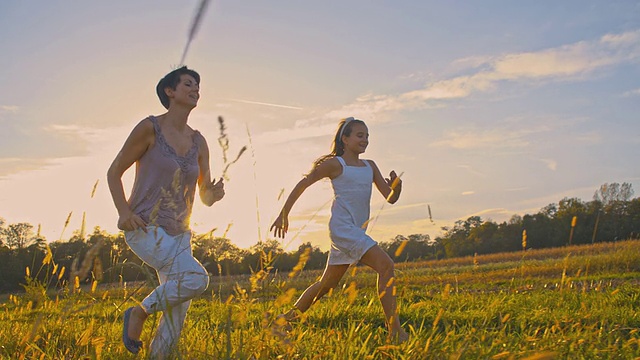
[358, 140]
[187, 91]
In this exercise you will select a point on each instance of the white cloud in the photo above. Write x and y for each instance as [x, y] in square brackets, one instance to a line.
[296, 133]
[10, 166]
[631, 93]
[473, 171]
[266, 104]
[551, 164]
[457, 87]
[465, 193]
[496, 138]
[590, 138]
[471, 62]
[516, 189]
[71, 129]
[568, 62]
[9, 109]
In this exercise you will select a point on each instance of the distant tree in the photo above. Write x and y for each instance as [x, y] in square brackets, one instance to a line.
[268, 246]
[550, 210]
[317, 258]
[413, 247]
[609, 193]
[264, 254]
[217, 254]
[633, 219]
[615, 199]
[2, 232]
[482, 237]
[541, 231]
[456, 241]
[19, 236]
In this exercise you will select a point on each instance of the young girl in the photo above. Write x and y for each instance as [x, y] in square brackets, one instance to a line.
[351, 179]
[171, 158]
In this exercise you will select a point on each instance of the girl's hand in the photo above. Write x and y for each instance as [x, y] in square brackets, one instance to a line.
[131, 222]
[280, 226]
[393, 180]
[213, 192]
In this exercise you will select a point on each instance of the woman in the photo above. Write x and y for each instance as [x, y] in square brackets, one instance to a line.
[170, 159]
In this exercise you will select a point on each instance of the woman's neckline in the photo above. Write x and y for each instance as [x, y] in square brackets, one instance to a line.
[172, 150]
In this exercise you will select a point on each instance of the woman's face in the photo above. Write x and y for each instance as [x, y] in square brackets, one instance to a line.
[187, 91]
[358, 140]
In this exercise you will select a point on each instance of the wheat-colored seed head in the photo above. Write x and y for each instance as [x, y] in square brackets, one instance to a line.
[400, 248]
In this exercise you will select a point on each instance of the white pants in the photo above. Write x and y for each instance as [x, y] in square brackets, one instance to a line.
[181, 277]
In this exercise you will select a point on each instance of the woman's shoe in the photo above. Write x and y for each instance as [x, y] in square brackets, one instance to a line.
[133, 346]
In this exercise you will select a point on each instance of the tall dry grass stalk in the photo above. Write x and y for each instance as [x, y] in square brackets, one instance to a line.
[95, 187]
[195, 26]
[255, 181]
[78, 274]
[400, 248]
[66, 223]
[595, 228]
[574, 220]
[223, 141]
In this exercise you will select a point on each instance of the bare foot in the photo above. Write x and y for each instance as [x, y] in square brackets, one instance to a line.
[398, 336]
[292, 315]
[283, 323]
[284, 320]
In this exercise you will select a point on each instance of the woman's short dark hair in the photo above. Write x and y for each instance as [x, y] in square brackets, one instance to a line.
[171, 80]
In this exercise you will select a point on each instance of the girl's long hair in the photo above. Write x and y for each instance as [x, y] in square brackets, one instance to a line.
[337, 146]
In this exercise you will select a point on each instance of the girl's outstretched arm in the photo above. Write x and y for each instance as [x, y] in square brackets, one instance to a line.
[329, 168]
[387, 188]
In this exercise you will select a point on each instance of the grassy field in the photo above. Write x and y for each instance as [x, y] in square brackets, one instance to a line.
[573, 302]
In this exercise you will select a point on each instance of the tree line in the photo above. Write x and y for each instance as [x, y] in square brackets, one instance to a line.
[611, 215]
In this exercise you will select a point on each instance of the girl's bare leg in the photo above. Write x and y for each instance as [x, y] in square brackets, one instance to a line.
[380, 261]
[329, 280]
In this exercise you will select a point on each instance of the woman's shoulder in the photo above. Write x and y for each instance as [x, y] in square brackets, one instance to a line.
[145, 126]
[198, 138]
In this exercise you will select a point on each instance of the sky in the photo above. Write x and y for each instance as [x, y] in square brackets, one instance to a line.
[491, 108]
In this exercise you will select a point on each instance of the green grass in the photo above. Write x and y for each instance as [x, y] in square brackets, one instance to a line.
[574, 302]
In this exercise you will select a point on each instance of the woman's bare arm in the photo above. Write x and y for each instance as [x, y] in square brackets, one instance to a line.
[140, 139]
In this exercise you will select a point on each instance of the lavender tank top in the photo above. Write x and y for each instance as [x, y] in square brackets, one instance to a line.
[165, 183]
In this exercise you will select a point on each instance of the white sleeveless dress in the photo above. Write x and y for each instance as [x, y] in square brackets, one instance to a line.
[349, 212]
